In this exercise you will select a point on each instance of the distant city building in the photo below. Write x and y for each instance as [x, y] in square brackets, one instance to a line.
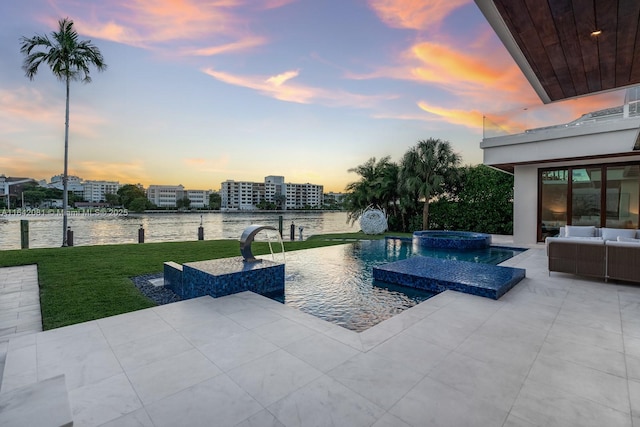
[11, 187]
[74, 184]
[246, 195]
[96, 191]
[166, 196]
[334, 198]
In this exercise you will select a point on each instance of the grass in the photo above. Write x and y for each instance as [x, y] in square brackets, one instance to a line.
[83, 283]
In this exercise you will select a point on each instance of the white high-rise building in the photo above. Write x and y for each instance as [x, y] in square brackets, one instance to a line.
[96, 191]
[246, 195]
[166, 196]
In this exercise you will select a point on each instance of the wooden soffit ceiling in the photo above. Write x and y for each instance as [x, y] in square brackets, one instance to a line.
[552, 42]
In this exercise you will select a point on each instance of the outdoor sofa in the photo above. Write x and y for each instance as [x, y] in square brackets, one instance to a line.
[606, 253]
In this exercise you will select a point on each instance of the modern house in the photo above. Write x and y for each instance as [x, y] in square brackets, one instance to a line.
[586, 172]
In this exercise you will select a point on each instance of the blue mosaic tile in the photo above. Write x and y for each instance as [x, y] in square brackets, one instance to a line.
[459, 240]
[173, 277]
[438, 275]
[228, 276]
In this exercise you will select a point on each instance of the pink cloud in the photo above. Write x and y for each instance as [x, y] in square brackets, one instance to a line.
[414, 14]
[282, 88]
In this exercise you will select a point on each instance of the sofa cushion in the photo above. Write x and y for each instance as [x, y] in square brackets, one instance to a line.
[580, 231]
[628, 240]
[614, 233]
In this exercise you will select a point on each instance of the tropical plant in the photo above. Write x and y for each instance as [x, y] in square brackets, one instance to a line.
[215, 201]
[130, 192]
[425, 169]
[377, 186]
[69, 60]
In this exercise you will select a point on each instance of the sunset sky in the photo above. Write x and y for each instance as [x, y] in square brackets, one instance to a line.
[197, 92]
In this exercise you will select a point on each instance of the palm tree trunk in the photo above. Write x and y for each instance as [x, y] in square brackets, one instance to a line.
[65, 177]
[425, 215]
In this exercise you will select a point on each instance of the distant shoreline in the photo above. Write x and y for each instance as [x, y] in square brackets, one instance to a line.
[246, 211]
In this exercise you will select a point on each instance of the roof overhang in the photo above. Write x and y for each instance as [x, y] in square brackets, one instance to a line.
[552, 43]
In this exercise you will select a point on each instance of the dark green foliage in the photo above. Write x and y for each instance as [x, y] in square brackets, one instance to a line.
[128, 193]
[215, 201]
[481, 200]
[183, 203]
[33, 194]
[139, 204]
[471, 198]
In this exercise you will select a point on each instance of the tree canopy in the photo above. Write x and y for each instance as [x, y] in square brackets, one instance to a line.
[429, 189]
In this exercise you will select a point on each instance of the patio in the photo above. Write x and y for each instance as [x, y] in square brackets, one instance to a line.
[555, 350]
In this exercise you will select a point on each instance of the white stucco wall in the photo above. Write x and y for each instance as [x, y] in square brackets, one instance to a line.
[525, 204]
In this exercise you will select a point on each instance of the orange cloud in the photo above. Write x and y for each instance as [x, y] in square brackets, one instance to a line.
[414, 14]
[123, 172]
[468, 118]
[280, 87]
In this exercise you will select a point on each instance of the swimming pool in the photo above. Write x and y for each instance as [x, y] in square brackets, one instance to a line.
[336, 283]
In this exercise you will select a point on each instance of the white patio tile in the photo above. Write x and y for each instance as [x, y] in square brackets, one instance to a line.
[412, 352]
[584, 335]
[97, 403]
[478, 378]
[634, 397]
[431, 403]
[168, 376]
[632, 346]
[441, 333]
[273, 376]
[236, 350]
[135, 354]
[514, 421]
[217, 401]
[200, 334]
[81, 369]
[253, 317]
[515, 357]
[544, 405]
[633, 367]
[263, 418]
[321, 352]
[132, 326]
[138, 418]
[388, 420]
[591, 356]
[378, 379]
[606, 389]
[283, 332]
[325, 402]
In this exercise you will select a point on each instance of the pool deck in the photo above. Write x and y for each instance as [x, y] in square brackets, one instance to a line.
[555, 351]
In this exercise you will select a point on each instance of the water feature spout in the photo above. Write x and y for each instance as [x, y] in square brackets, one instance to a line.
[247, 238]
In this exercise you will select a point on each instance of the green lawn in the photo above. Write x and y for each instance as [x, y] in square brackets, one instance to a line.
[84, 283]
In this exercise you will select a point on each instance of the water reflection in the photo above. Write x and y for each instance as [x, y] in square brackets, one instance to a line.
[46, 230]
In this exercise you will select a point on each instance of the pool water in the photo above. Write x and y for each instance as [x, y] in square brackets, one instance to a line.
[336, 283]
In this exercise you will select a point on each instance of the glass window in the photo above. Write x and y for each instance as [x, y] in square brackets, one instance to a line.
[586, 196]
[554, 190]
[622, 196]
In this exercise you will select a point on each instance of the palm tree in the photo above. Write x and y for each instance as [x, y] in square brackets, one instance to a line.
[378, 186]
[69, 59]
[424, 170]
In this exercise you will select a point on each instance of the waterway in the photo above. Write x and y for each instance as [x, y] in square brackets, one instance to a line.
[104, 228]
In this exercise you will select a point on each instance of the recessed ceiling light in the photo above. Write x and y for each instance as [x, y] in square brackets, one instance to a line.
[596, 33]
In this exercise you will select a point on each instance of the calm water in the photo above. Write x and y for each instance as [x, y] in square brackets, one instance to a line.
[46, 230]
[336, 283]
